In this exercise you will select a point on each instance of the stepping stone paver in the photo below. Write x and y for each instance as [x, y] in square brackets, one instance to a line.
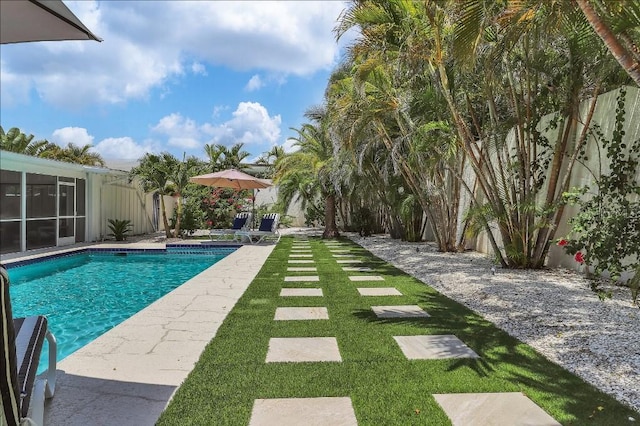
[348, 261]
[302, 269]
[495, 409]
[303, 349]
[366, 278]
[379, 291]
[295, 292]
[434, 347]
[301, 313]
[400, 311]
[356, 269]
[344, 255]
[300, 250]
[300, 255]
[329, 411]
[302, 278]
[300, 261]
[339, 250]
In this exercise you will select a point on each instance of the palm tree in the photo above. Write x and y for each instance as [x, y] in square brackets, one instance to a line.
[73, 154]
[308, 171]
[16, 141]
[269, 159]
[181, 171]
[621, 45]
[221, 157]
[536, 58]
[386, 92]
[154, 173]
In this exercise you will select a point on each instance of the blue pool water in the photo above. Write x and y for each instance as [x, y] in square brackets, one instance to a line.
[84, 295]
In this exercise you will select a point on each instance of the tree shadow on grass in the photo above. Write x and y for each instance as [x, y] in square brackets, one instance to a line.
[565, 396]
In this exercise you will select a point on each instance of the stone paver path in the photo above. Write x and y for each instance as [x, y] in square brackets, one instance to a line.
[379, 291]
[401, 311]
[303, 349]
[302, 278]
[301, 292]
[434, 347]
[329, 411]
[497, 409]
[300, 261]
[301, 313]
[366, 278]
[493, 409]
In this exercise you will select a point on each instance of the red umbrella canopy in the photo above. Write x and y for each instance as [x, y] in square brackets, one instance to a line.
[231, 178]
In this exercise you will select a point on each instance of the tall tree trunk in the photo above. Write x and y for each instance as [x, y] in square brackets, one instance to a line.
[176, 231]
[624, 58]
[167, 231]
[330, 227]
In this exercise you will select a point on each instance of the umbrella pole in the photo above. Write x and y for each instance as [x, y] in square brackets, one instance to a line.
[253, 210]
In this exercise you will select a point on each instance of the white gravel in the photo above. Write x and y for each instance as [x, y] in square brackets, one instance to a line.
[552, 310]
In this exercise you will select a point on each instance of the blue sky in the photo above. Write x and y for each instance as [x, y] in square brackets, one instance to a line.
[173, 76]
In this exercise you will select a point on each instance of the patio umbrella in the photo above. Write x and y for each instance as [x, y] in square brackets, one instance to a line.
[233, 178]
[40, 20]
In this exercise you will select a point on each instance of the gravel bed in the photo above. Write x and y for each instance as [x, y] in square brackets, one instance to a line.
[552, 310]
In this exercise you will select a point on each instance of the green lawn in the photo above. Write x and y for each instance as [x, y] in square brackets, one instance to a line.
[385, 387]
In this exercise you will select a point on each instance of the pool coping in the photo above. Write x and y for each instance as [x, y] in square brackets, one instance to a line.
[129, 374]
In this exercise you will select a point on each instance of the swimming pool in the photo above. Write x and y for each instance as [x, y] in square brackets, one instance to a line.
[87, 293]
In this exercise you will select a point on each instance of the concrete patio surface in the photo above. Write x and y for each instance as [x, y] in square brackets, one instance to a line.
[128, 375]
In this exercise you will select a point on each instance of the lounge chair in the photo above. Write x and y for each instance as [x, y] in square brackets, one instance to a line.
[23, 393]
[268, 229]
[240, 222]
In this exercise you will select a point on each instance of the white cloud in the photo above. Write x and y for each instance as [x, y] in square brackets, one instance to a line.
[289, 146]
[149, 43]
[75, 135]
[124, 149]
[13, 87]
[183, 132]
[250, 124]
[199, 69]
[255, 83]
[218, 109]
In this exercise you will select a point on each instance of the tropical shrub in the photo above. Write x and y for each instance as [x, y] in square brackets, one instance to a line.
[119, 228]
[605, 234]
[222, 204]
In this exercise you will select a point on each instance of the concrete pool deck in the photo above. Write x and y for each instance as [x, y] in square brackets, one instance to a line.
[128, 375]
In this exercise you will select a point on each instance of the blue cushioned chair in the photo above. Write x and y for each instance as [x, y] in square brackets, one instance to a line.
[242, 221]
[268, 229]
